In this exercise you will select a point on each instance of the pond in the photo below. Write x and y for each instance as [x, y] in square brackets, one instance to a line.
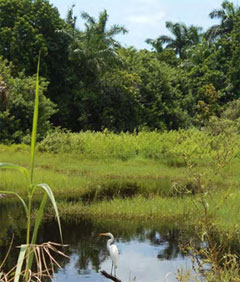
[148, 250]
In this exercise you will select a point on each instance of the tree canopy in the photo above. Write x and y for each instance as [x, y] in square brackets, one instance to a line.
[90, 82]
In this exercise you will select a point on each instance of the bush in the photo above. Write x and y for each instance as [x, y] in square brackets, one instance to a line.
[17, 103]
[174, 147]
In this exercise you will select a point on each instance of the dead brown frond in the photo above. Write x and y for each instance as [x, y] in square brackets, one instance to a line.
[5, 258]
[44, 256]
[3, 276]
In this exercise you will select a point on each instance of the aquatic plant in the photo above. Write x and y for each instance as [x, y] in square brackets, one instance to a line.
[215, 260]
[27, 250]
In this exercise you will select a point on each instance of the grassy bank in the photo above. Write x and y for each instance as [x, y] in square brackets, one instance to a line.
[145, 175]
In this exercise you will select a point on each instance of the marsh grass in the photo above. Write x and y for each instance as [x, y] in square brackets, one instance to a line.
[216, 258]
[168, 146]
[135, 208]
[169, 177]
[73, 179]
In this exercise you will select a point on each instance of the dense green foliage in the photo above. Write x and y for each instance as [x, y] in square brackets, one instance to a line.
[96, 84]
[26, 27]
[17, 104]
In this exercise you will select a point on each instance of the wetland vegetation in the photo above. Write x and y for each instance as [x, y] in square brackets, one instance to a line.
[129, 137]
[188, 179]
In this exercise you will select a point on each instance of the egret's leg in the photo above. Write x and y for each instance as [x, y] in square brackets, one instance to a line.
[112, 268]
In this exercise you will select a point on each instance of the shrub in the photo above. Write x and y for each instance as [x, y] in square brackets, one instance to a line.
[16, 105]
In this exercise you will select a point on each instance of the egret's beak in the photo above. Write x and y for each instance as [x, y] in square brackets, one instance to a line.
[102, 234]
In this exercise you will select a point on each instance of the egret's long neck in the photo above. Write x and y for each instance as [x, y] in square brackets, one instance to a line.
[109, 242]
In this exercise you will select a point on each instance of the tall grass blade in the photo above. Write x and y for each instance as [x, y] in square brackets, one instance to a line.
[35, 121]
[20, 262]
[39, 218]
[36, 226]
[54, 204]
[19, 197]
[21, 169]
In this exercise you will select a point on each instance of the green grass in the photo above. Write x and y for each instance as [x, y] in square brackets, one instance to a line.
[67, 174]
[166, 146]
[189, 179]
[133, 176]
[139, 207]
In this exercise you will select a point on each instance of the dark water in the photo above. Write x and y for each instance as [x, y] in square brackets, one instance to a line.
[149, 252]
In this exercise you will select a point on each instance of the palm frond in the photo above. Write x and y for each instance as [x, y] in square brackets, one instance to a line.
[116, 29]
[164, 39]
[102, 21]
[217, 14]
[85, 16]
[213, 32]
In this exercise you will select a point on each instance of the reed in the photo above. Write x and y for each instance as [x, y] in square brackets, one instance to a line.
[26, 253]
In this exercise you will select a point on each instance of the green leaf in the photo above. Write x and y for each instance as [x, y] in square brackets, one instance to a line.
[35, 121]
[20, 262]
[38, 220]
[21, 169]
[19, 197]
[52, 199]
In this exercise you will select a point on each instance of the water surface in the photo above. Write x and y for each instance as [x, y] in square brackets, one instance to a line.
[149, 252]
[145, 255]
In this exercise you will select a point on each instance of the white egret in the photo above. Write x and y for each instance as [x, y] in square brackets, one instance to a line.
[113, 250]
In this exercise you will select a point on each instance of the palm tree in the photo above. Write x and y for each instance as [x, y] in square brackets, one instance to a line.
[156, 44]
[194, 35]
[227, 15]
[183, 37]
[196, 54]
[94, 49]
[70, 19]
[96, 45]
